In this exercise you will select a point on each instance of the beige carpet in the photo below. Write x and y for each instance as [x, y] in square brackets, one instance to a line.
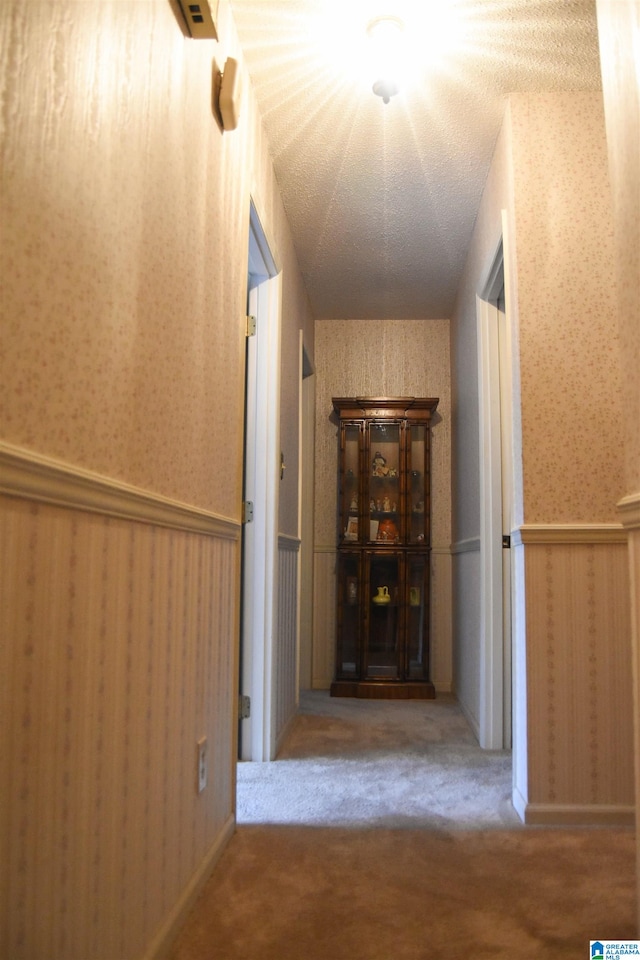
[483, 887]
[394, 763]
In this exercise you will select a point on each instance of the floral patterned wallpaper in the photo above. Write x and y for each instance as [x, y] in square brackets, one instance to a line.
[124, 243]
[571, 384]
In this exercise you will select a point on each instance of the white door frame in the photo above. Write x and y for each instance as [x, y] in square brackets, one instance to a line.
[306, 462]
[260, 536]
[496, 485]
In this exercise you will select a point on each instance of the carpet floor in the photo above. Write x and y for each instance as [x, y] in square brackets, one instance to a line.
[323, 867]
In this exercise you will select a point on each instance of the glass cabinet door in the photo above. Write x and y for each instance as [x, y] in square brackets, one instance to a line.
[349, 589]
[417, 630]
[383, 509]
[418, 485]
[382, 658]
[350, 504]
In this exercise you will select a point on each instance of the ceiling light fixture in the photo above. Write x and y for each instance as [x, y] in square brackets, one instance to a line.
[385, 34]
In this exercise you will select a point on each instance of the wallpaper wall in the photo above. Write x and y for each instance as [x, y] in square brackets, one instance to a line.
[124, 244]
[573, 466]
[124, 240]
[114, 254]
[381, 358]
[549, 186]
[572, 411]
[618, 28]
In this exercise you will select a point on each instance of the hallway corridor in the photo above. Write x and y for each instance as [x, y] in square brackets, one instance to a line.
[383, 832]
[387, 763]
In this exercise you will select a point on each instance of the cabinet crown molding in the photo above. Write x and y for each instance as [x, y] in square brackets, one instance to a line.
[384, 406]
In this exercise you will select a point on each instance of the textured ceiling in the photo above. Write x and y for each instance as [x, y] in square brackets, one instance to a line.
[382, 198]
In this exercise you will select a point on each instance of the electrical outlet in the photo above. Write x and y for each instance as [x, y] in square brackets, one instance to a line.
[202, 764]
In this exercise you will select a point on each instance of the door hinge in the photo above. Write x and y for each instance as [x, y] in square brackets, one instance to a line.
[247, 511]
[244, 707]
[251, 326]
[506, 541]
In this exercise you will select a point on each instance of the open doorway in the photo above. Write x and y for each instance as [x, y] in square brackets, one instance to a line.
[260, 501]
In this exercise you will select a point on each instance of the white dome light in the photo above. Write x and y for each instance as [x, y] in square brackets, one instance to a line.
[386, 36]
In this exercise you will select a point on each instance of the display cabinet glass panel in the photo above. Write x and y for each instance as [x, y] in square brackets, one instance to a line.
[417, 628]
[350, 485]
[384, 482]
[349, 591]
[418, 505]
[382, 648]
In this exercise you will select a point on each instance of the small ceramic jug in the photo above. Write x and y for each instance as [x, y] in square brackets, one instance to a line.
[383, 594]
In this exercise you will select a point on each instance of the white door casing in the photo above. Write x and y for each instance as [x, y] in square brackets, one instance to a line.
[261, 474]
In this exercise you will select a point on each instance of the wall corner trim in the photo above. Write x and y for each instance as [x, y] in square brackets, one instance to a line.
[629, 509]
[32, 476]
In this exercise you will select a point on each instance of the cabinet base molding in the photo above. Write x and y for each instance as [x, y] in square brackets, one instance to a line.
[368, 690]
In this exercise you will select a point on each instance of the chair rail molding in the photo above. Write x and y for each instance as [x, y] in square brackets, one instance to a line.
[32, 476]
[471, 545]
[562, 533]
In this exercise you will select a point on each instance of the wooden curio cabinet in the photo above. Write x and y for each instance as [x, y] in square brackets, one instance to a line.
[383, 547]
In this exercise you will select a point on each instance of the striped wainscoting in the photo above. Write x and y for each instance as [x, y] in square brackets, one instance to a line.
[578, 665]
[286, 639]
[118, 653]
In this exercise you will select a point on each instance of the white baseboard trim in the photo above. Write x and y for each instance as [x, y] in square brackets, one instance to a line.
[31, 476]
[576, 815]
[161, 945]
